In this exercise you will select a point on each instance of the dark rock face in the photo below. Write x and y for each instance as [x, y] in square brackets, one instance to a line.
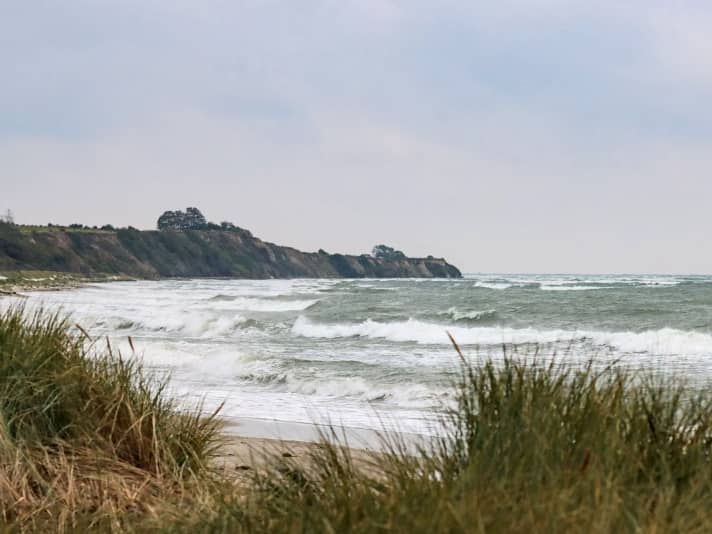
[231, 252]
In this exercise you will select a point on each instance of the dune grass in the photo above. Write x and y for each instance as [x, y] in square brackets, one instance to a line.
[87, 440]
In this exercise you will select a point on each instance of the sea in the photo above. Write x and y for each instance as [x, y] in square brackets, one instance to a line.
[375, 354]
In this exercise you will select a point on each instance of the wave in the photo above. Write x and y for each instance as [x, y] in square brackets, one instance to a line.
[301, 377]
[508, 284]
[371, 288]
[493, 285]
[469, 316]
[204, 326]
[666, 341]
[342, 387]
[422, 332]
[573, 288]
[547, 282]
[185, 324]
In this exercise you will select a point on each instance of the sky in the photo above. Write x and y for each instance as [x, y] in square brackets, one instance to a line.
[507, 136]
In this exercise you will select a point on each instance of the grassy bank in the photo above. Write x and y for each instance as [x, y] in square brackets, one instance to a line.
[88, 440]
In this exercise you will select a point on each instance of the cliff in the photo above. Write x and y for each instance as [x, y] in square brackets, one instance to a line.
[193, 253]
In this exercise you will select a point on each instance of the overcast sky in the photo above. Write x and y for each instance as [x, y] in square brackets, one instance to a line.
[512, 136]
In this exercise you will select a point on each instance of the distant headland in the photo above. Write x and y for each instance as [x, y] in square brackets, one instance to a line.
[186, 244]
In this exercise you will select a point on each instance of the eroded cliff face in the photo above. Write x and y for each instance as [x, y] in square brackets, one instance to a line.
[195, 253]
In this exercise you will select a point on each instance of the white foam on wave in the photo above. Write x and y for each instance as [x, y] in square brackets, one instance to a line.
[158, 355]
[546, 282]
[187, 324]
[424, 333]
[663, 341]
[352, 387]
[493, 285]
[472, 315]
[338, 387]
[666, 341]
[228, 368]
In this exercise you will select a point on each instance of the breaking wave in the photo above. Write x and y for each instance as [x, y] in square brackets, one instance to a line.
[493, 285]
[663, 341]
[344, 387]
[469, 316]
[578, 283]
[191, 325]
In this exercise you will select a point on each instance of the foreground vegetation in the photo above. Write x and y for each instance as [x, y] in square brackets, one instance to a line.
[90, 441]
[86, 439]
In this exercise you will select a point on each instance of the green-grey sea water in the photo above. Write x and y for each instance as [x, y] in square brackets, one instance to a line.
[368, 353]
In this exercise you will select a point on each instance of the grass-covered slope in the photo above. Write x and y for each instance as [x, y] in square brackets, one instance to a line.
[192, 253]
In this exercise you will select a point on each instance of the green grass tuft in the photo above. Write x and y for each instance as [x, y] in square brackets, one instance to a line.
[81, 428]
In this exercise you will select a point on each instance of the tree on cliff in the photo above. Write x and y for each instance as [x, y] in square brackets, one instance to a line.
[385, 252]
[8, 217]
[190, 219]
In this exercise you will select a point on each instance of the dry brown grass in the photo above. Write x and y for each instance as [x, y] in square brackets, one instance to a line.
[86, 438]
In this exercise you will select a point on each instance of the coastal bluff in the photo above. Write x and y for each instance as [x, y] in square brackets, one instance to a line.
[212, 251]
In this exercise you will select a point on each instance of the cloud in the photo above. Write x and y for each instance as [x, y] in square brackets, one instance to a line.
[501, 135]
[682, 43]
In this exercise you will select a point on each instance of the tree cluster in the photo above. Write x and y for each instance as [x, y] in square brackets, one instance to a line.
[191, 219]
[385, 252]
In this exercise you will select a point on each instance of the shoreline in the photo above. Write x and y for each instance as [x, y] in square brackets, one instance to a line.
[249, 444]
[358, 438]
[239, 455]
[15, 283]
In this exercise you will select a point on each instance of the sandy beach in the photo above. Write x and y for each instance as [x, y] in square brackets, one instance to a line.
[241, 455]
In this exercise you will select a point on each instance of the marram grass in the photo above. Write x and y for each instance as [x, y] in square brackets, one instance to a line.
[86, 438]
[88, 441]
